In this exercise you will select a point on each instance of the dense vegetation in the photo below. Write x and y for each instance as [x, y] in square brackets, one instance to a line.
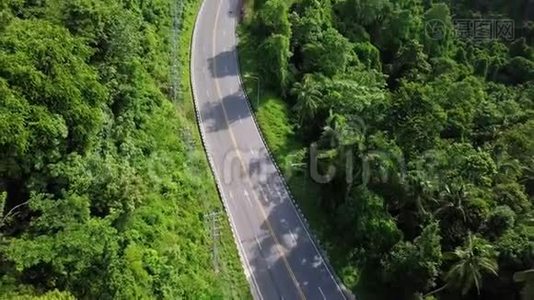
[103, 185]
[430, 134]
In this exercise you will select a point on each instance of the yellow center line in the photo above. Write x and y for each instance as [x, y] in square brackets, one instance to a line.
[242, 163]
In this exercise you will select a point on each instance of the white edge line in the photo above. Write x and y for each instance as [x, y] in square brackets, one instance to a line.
[321, 291]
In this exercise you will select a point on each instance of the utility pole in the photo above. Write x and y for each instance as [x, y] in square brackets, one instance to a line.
[212, 220]
[177, 15]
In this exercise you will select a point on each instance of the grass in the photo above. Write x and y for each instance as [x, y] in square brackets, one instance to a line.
[274, 118]
[230, 276]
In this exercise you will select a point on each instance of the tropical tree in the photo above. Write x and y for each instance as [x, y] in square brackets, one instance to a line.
[276, 54]
[453, 200]
[414, 266]
[416, 117]
[274, 17]
[471, 262]
[366, 12]
[309, 98]
[339, 139]
[329, 54]
[410, 62]
[438, 30]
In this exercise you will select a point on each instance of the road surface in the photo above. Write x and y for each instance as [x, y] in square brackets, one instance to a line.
[280, 258]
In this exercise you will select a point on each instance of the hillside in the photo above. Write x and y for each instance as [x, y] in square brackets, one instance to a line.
[105, 191]
[405, 129]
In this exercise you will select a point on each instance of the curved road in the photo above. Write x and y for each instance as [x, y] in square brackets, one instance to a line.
[280, 259]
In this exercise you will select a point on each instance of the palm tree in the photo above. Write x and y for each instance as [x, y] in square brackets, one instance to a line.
[308, 97]
[507, 167]
[421, 189]
[453, 199]
[338, 140]
[475, 259]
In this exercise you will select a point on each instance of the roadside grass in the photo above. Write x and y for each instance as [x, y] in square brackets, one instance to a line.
[274, 118]
[230, 275]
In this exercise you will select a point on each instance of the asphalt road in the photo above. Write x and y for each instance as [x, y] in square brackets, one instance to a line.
[280, 259]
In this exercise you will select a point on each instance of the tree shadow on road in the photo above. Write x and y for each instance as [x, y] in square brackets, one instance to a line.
[285, 247]
[224, 64]
[290, 252]
[213, 115]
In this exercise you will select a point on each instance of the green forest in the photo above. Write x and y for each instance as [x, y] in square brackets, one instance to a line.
[103, 182]
[422, 131]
